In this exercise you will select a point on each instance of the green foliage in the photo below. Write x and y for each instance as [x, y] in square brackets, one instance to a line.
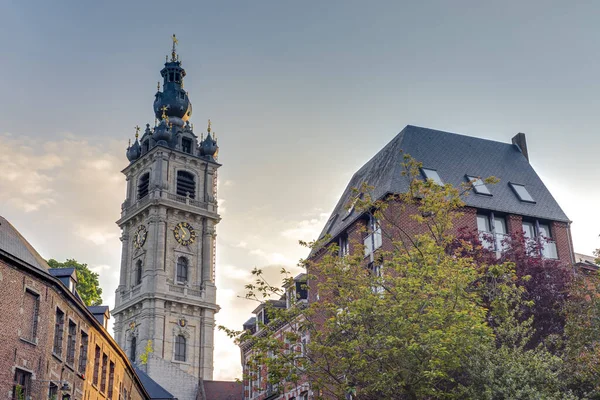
[88, 285]
[435, 324]
[149, 349]
[20, 394]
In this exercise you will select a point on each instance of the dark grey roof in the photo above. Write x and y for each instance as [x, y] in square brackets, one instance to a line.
[453, 156]
[98, 309]
[155, 391]
[14, 244]
[63, 272]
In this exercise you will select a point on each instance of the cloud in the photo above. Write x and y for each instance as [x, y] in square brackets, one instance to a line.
[307, 229]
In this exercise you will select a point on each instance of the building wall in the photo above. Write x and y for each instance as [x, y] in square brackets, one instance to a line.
[35, 355]
[400, 225]
[160, 308]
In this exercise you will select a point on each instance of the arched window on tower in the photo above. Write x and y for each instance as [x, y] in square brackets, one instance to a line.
[132, 349]
[138, 272]
[182, 270]
[143, 184]
[186, 145]
[180, 348]
[186, 184]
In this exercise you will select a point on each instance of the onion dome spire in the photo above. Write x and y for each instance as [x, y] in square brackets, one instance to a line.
[134, 151]
[179, 107]
[209, 146]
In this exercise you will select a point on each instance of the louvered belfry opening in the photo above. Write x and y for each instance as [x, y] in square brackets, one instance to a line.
[143, 184]
[186, 183]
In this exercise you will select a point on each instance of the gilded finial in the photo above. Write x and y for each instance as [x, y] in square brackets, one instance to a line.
[129, 145]
[137, 131]
[158, 86]
[173, 53]
[164, 112]
[208, 129]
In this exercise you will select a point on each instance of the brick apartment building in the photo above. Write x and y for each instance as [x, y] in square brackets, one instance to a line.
[51, 345]
[520, 202]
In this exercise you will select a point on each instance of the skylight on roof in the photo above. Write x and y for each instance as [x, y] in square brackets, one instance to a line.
[329, 224]
[522, 193]
[479, 186]
[351, 208]
[433, 175]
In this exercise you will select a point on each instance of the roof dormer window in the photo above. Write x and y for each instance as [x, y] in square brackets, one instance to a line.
[522, 192]
[479, 186]
[433, 175]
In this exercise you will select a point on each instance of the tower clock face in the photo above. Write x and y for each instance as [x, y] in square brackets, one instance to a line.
[184, 233]
[140, 236]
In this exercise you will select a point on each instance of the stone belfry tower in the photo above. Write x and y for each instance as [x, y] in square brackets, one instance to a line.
[166, 290]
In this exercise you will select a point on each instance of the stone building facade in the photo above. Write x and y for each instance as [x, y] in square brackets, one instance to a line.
[166, 298]
[53, 346]
[518, 203]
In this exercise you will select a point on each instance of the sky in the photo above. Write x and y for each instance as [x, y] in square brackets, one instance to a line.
[300, 94]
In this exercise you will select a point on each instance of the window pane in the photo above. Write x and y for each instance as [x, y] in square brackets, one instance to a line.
[522, 193]
[433, 175]
[545, 231]
[483, 223]
[528, 229]
[500, 225]
[478, 185]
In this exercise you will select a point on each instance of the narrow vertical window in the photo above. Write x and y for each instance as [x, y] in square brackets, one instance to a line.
[180, 348]
[111, 379]
[83, 349]
[186, 184]
[31, 307]
[58, 332]
[53, 391]
[138, 272]
[143, 184]
[22, 384]
[182, 270]
[186, 145]
[96, 365]
[133, 349]
[104, 370]
[71, 341]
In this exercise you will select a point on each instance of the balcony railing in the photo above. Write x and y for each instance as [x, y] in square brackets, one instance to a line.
[128, 205]
[549, 249]
[495, 242]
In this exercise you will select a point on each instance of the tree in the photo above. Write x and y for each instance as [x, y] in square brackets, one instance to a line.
[88, 285]
[442, 318]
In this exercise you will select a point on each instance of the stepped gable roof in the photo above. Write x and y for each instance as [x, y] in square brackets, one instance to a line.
[453, 156]
[13, 243]
[155, 391]
[223, 390]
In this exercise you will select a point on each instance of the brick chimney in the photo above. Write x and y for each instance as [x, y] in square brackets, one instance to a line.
[520, 141]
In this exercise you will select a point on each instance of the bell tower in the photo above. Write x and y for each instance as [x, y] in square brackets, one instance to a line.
[166, 298]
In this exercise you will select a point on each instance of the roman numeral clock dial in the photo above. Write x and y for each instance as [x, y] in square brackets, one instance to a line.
[184, 233]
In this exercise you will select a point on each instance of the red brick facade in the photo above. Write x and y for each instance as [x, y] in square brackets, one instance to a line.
[33, 306]
[399, 224]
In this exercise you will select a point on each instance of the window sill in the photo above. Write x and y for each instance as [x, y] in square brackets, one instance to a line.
[29, 341]
[181, 362]
[57, 356]
[70, 366]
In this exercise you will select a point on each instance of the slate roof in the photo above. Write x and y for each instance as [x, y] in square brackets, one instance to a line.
[453, 156]
[14, 244]
[223, 390]
[155, 391]
[63, 272]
